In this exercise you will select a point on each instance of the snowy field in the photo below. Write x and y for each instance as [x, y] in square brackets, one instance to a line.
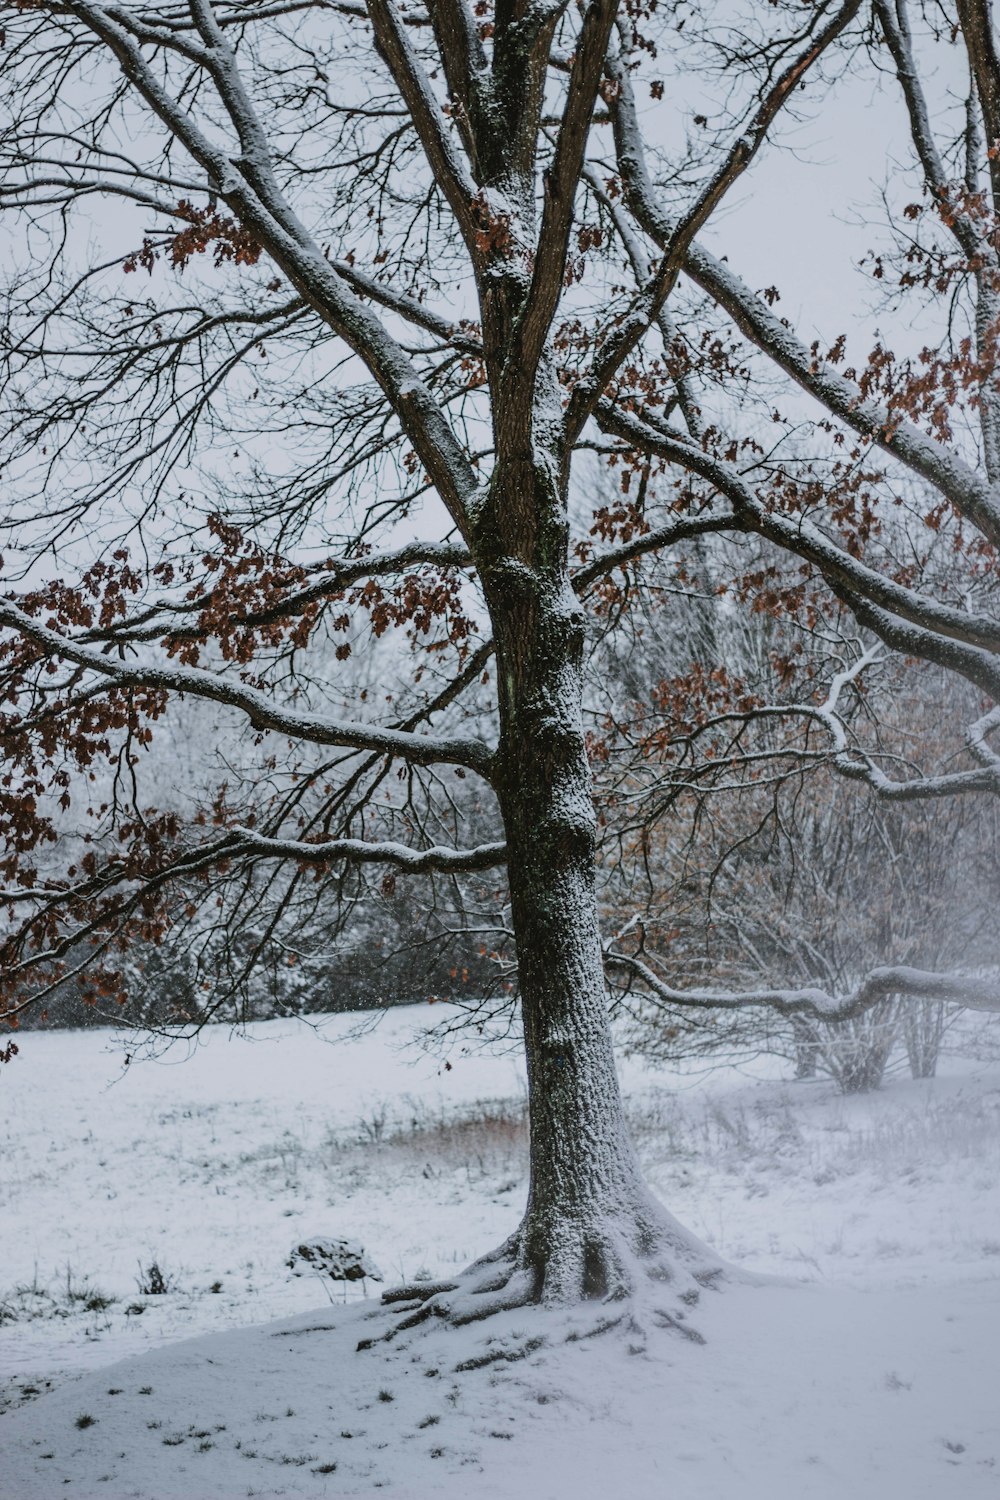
[148, 1212]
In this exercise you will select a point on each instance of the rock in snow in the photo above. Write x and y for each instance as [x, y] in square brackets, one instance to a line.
[341, 1260]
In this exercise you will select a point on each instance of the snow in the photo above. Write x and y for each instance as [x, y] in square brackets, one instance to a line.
[804, 1393]
[868, 1367]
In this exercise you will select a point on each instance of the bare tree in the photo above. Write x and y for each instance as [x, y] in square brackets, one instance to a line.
[737, 853]
[316, 304]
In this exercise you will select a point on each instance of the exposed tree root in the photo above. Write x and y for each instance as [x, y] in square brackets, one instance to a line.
[417, 1291]
[506, 1354]
[635, 1272]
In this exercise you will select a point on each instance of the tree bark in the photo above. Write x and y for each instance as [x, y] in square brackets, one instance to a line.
[591, 1230]
[589, 1219]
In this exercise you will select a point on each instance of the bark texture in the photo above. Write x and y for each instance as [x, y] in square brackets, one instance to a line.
[587, 1205]
[591, 1230]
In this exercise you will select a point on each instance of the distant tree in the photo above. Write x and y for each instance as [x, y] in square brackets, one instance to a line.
[315, 304]
[734, 857]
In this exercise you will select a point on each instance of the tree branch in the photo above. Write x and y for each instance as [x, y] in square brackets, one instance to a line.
[154, 621]
[618, 343]
[259, 709]
[450, 172]
[978, 633]
[292, 248]
[435, 860]
[941, 466]
[650, 541]
[561, 181]
[974, 240]
[976, 22]
[465, 65]
[917, 984]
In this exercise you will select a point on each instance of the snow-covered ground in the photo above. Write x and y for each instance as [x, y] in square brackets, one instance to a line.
[877, 1377]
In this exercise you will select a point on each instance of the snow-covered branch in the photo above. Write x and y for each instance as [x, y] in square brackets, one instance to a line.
[248, 186]
[964, 640]
[941, 465]
[168, 618]
[654, 540]
[621, 338]
[260, 709]
[972, 992]
[450, 172]
[561, 182]
[434, 860]
[975, 496]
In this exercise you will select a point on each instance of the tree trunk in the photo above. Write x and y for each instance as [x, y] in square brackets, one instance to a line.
[859, 1049]
[807, 1048]
[584, 1176]
[591, 1230]
[923, 1030]
[590, 1220]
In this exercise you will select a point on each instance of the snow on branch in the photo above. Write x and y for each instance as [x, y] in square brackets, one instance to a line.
[969, 491]
[248, 186]
[437, 859]
[972, 992]
[451, 172]
[845, 757]
[561, 181]
[650, 541]
[162, 618]
[261, 710]
[858, 765]
[116, 893]
[624, 334]
[975, 496]
[968, 640]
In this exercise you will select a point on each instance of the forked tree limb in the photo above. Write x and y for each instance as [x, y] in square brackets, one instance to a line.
[941, 465]
[619, 341]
